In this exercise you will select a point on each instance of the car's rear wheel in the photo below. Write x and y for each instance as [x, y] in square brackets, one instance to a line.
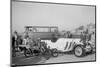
[79, 51]
[54, 52]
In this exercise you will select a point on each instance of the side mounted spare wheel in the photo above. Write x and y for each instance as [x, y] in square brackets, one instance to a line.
[54, 52]
[79, 51]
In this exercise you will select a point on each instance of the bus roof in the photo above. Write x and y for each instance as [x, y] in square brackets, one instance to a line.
[41, 27]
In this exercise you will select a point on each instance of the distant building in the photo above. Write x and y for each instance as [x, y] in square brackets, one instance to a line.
[88, 28]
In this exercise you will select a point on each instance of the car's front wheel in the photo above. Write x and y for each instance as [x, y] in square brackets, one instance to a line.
[79, 51]
[27, 53]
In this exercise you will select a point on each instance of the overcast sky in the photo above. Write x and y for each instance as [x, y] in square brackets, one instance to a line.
[66, 17]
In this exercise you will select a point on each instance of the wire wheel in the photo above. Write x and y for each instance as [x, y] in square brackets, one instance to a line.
[79, 51]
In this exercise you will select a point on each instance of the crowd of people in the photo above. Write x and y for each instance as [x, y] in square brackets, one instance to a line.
[18, 40]
[88, 37]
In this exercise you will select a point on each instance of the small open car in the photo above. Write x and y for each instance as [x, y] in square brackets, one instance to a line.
[33, 48]
[69, 44]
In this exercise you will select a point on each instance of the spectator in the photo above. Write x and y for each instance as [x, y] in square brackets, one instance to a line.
[83, 38]
[14, 43]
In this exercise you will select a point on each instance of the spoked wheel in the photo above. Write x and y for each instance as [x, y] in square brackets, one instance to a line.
[79, 51]
[27, 53]
[54, 53]
[36, 52]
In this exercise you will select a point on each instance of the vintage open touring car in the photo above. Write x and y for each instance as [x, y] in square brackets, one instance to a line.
[68, 45]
